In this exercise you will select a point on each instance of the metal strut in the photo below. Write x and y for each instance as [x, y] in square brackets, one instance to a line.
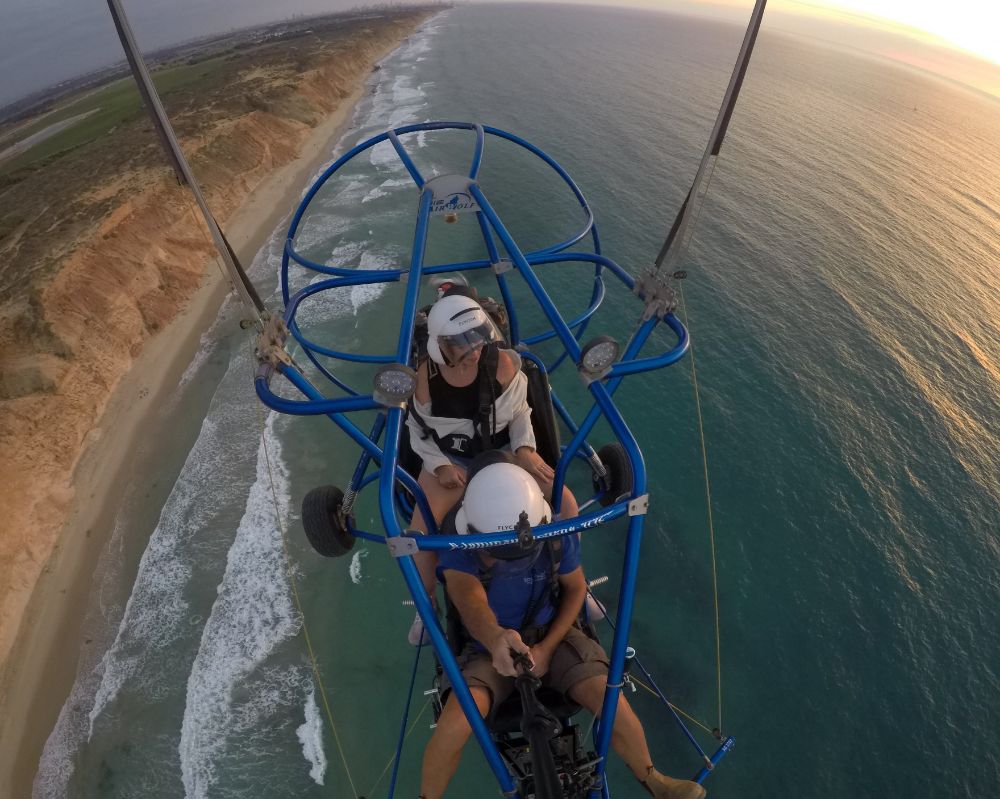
[237, 275]
[270, 347]
[680, 231]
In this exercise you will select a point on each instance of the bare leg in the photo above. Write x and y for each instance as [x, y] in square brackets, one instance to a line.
[627, 738]
[444, 749]
[441, 500]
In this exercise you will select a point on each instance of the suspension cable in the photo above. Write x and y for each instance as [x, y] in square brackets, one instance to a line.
[688, 716]
[711, 523]
[402, 725]
[388, 765]
[658, 693]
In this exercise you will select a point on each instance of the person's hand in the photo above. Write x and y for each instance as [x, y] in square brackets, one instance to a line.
[542, 656]
[532, 463]
[450, 476]
[501, 647]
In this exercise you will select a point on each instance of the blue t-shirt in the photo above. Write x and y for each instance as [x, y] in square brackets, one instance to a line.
[518, 584]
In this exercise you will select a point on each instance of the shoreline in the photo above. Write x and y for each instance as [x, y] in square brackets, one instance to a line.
[41, 668]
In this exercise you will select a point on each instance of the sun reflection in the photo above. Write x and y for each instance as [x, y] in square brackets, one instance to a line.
[967, 25]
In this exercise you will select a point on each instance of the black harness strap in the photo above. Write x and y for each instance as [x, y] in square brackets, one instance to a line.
[458, 635]
[484, 423]
[486, 417]
[554, 547]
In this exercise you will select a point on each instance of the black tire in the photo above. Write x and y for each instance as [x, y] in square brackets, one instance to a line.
[619, 480]
[323, 522]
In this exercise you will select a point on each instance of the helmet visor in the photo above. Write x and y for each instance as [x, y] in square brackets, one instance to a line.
[455, 346]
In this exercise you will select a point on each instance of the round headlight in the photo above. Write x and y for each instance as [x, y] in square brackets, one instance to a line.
[394, 385]
[597, 357]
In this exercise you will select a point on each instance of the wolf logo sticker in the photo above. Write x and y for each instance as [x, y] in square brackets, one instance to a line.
[454, 204]
[451, 195]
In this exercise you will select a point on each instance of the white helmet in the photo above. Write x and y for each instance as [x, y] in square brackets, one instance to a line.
[495, 498]
[455, 325]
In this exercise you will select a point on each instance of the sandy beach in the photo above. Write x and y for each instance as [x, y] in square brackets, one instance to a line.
[42, 664]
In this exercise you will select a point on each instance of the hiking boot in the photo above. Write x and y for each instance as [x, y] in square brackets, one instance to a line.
[660, 786]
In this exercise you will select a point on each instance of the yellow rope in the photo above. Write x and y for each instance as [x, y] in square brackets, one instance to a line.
[393, 758]
[711, 524]
[298, 604]
[688, 716]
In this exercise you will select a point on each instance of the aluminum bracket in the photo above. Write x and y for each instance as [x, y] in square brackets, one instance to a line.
[402, 545]
[639, 506]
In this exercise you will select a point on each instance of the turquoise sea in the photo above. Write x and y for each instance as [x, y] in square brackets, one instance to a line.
[843, 301]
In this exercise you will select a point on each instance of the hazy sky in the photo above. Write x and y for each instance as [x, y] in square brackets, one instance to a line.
[972, 25]
[46, 41]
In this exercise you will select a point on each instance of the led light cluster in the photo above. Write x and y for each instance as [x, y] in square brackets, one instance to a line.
[394, 385]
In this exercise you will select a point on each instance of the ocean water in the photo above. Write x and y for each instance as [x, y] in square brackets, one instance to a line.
[843, 306]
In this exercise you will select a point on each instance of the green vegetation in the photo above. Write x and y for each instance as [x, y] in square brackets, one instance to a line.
[56, 193]
[108, 107]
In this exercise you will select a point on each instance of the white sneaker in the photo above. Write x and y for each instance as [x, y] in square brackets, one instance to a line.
[594, 612]
[417, 636]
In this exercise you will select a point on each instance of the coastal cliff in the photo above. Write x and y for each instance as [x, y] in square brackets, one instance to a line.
[102, 249]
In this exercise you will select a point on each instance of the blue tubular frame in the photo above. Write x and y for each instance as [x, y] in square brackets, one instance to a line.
[389, 422]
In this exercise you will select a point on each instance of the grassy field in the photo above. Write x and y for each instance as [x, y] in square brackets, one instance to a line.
[107, 108]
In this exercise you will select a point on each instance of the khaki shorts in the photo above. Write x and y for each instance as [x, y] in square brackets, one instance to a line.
[577, 658]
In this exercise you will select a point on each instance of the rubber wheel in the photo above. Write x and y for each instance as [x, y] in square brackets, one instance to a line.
[323, 522]
[619, 480]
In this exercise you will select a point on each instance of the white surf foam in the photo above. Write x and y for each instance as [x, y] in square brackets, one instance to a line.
[310, 735]
[362, 295]
[59, 755]
[374, 194]
[404, 92]
[156, 614]
[205, 345]
[348, 254]
[329, 305]
[384, 155]
[251, 616]
[355, 570]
